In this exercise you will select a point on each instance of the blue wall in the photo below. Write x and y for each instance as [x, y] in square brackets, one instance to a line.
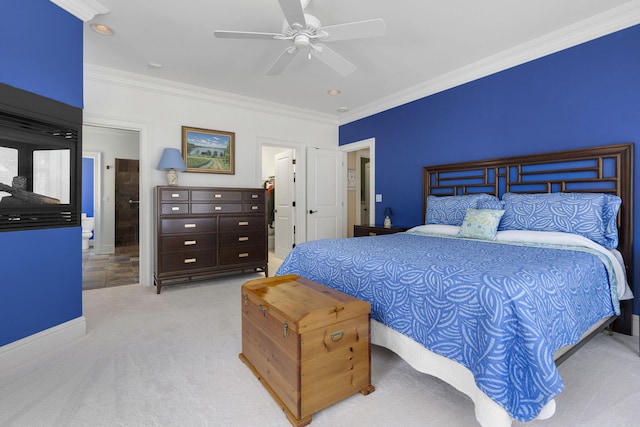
[585, 96]
[41, 270]
[87, 186]
[41, 50]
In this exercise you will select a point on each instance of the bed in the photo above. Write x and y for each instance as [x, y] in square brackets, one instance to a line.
[518, 262]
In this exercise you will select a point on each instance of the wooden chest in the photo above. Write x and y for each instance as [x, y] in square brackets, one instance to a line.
[309, 345]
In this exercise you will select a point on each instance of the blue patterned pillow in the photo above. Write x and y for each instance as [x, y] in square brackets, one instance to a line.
[481, 224]
[494, 203]
[592, 215]
[450, 210]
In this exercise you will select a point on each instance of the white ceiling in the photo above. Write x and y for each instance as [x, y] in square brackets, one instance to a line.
[429, 45]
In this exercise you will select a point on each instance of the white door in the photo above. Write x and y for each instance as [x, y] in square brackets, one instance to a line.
[284, 203]
[325, 185]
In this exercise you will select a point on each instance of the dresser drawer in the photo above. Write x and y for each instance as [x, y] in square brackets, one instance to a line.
[216, 195]
[188, 225]
[174, 208]
[216, 208]
[237, 223]
[254, 208]
[231, 255]
[254, 196]
[174, 195]
[189, 242]
[188, 260]
[238, 240]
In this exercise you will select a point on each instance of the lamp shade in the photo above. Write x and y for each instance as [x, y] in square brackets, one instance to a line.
[387, 212]
[171, 159]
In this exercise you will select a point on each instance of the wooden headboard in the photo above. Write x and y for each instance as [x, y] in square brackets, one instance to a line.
[605, 169]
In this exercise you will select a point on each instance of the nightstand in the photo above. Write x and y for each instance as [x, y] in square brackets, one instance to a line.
[374, 230]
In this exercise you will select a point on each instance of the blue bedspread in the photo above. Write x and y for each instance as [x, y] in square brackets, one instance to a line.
[501, 310]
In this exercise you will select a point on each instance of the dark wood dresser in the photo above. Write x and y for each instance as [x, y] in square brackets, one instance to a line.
[203, 231]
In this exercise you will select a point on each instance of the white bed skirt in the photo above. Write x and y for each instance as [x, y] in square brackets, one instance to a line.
[488, 413]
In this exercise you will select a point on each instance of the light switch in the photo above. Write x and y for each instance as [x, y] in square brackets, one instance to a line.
[378, 198]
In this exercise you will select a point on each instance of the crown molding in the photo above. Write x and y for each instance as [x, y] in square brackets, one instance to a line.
[85, 10]
[167, 87]
[616, 19]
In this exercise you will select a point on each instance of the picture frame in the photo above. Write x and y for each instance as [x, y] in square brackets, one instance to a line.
[208, 151]
[351, 179]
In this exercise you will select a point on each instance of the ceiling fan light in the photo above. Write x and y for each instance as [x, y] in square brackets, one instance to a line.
[301, 41]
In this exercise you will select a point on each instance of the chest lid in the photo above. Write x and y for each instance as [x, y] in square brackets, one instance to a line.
[303, 304]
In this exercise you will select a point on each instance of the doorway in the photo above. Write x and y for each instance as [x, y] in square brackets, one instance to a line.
[278, 177]
[114, 258]
[360, 165]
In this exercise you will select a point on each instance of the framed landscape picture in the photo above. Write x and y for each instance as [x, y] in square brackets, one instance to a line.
[209, 151]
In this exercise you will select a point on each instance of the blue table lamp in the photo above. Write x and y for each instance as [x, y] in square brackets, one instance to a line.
[172, 162]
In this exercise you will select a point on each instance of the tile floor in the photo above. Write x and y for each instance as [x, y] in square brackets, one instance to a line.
[117, 269]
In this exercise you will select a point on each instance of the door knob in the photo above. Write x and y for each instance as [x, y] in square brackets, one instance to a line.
[312, 212]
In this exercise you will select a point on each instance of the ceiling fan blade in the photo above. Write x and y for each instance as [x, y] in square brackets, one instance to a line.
[293, 12]
[354, 30]
[333, 59]
[283, 60]
[222, 34]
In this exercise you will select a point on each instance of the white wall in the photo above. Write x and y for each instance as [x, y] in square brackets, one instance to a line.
[158, 109]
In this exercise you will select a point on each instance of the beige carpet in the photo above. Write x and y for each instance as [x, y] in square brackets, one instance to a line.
[172, 360]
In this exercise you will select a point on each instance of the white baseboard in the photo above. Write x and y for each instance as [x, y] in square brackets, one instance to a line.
[21, 351]
[635, 325]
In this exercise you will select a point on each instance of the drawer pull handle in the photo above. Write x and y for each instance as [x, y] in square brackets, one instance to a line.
[217, 196]
[254, 196]
[190, 242]
[255, 208]
[175, 195]
[190, 226]
[371, 233]
[243, 223]
[217, 208]
[243, 239]
[243, 255]
[337, 335]
[189, 260]
[175, 208]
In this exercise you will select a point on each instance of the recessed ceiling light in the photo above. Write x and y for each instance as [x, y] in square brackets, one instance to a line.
[343, 109]
[102, 29]
[333, 92]
[155, 65]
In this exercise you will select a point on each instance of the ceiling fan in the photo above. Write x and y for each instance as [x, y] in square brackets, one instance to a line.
[307, 34]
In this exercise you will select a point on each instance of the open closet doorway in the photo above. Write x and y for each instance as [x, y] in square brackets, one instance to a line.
[113, 258]
[278, 177]
[360, 192]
